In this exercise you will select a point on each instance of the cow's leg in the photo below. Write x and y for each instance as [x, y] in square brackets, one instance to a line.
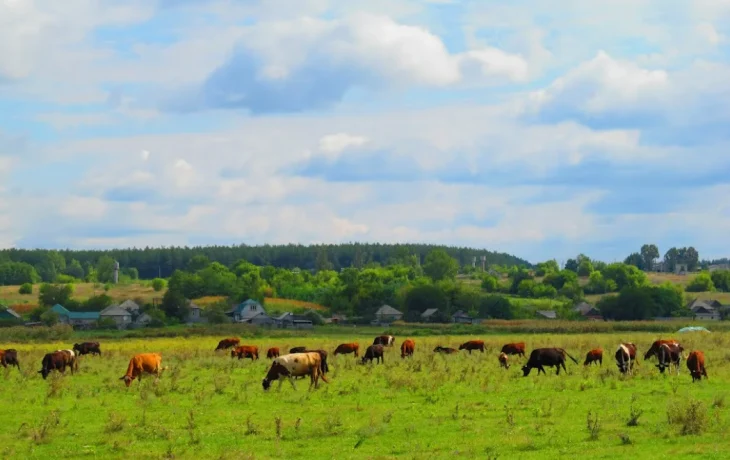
[291, 380]
[540, 369]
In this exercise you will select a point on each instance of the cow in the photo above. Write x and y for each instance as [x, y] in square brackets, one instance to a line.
[654, 349]
[446, 350]
[385, 340]
[373, 352]
[272, 352]
[668, 354]
[86, 348]
[626, 357]
[472, 345]
[551, 357]
[696, 365]
[294, 365]
[73, 359]
[246, 351]
[517, 348]
[228, 343]
[9, 357]
[150, 363]
[593, 356]
[346, 348]
[298, 350]
[407, 348]
[56, 361]
[323, 355]
[503, 360]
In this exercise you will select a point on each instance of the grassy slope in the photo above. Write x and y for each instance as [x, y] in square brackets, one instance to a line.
[426, 407]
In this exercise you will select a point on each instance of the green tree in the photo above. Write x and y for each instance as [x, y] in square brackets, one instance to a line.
[158, 284]
[52, 294]
[490, 283]
[14, 273]
[721, 280]
[439, 265]
[649, 253]
[420, 298]
[550, 266]
[518, 275]
[75, 269]
[198, 262]
[671, 258]
[175, 305]
[105, 269]
[636, 260]
[701, 283]
[495, 306]
[572, 265]
[625, 275]
[585, 268]
[26, 288]
[49, 318]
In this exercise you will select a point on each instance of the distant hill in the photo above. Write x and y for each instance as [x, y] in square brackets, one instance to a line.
[153, 262]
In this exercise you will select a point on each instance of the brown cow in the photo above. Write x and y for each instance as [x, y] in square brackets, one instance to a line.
[295, 365]
[298, 350]
[517, 348]
[551, 357]
[246, 351]
[503, 360]
[272, 352]
[373, 352]
[656, 346]
[73, 359]
[696, 365]
[9, 357]
[228, 343]
[595, 355]
[58, 361]
[669, 353]
[626, 357]
[84, 348]
[323, 355]
[446, 350]
[150, 363]
[407, 348]
[386, 340]
[472, 345]
[346, 348]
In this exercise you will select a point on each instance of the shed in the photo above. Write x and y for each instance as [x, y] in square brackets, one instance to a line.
[427, 315]
[546, 314]
[588, 311]
[387, 314]
[9, 314]
[120, 316]
[292, 321]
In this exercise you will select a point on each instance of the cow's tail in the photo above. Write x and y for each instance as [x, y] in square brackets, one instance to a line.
[568, 355]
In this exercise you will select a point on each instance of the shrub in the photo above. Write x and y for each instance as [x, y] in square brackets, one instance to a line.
[26, 288]
[701, 283]
[158, 284]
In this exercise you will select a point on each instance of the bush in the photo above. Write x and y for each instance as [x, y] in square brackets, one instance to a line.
[26, 288]
[701, 283]
[158, 284]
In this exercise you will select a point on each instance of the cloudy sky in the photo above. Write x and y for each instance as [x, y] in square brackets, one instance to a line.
[542, 129]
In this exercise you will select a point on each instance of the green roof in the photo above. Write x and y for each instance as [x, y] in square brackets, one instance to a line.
[60, 309]
[83, 315]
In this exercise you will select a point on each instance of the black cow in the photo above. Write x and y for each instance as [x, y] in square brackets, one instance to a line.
[58, 360]
[9, 357]
[373, 352]
[85, 348]
[551, 357]
[669, 353]
[298, 350]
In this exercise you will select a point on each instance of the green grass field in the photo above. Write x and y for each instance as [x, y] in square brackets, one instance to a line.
[207, 405]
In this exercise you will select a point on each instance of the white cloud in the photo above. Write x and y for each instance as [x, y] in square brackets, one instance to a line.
[77, 207]
[145, 154]
[333, 144]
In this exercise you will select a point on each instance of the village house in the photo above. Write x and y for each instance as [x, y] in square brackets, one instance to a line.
[292, 321]
[546, 314]
[121, 317]
[8, 314]
[705, 309]
[428, 315]
[462, 318]
[588, 311]
[387, 314]
[196, 314]
[250, 312]
[76, 319]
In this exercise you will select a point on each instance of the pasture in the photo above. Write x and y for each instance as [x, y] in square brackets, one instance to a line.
[207, 405]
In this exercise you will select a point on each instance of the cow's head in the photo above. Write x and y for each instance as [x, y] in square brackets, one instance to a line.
[233, 353]
[526, 371]
[127, 380]
[266, 383]
[44, 372]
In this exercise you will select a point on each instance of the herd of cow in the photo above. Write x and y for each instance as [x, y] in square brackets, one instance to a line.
[302, 362]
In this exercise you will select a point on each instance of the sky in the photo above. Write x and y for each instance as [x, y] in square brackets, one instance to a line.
[541, 129]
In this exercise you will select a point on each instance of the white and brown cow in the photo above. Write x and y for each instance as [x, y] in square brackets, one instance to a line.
[295, 365]
[626, 357]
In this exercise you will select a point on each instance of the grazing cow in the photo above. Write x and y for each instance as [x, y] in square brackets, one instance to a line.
[9, 357]
[669, 353]
[626, 357]
[246, 351]
[346, 348]
[298, 350]
[150, 363]
[373, 352]
[323, 355]
[517, 348]
[295, 365]
[593, 356]
[503, 360]
[696, 365]
[58, 361]
[386, 340]
[546, 357]
[446, 350]
[272, 352]
[472, 345]
[656, 346]
[228, 343]
[407, 348]
[85, 348]
[73, 359]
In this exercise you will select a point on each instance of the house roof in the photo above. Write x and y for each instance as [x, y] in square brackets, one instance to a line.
[60, 309]
[702, 309]
[387, 310]
[547, 313]
[583, 308]
[460, 314]
[702, 304]
[11, 312]
[244, 310]
[83, 315]
[429, 312]
[114, 310]
[129, 305]
[282, 316]
[143, 318]
[339, 316]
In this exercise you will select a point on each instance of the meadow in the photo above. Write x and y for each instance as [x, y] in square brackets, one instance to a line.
[207, 405]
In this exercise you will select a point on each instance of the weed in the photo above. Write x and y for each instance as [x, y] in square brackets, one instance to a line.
[625, 439]
[593, 425]
[634, 413]
[251, 428]
[115, 423]
[42, 432]
[277, 422]
[690, 416]
[719, 401]
[510, 415]
[191, 427]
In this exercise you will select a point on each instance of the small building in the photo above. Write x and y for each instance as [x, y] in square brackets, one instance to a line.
[705, 309]
[681, 268]
[387, 314]
[121, 317]
[131, 306]
[546, 314]
[196, 314]
[77, 319]
[428, 315]
[292, 321]
[588, 311]
[8, 314]
[142, 320]
[659, 266]
[461, 318]
[245, 311]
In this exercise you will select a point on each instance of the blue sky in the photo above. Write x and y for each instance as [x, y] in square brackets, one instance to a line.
[543, 129]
